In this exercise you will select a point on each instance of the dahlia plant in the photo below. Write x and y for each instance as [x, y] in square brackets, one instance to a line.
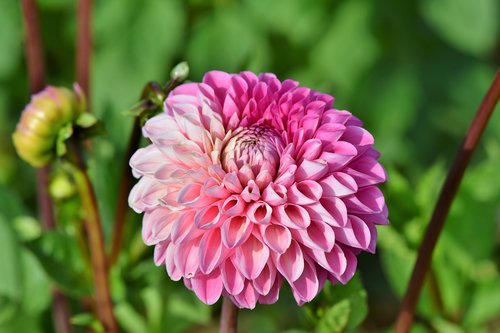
[249, 181]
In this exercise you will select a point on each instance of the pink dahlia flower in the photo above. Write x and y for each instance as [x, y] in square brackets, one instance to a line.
[250, 181]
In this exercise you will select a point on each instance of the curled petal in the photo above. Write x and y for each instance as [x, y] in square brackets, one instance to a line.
[259, 212]
[209, 217]
[368, 200]
[208, 287]
[234, 205]
[339, 185]
[318, 235]
[307, 285]
[251, 257]
[355, 233]
[236, 230]
[275, 194]
[311, 170]
[277, 237]
[232, 278]
[292, 216]
[305, 192]
[291, 263]
[212, 251]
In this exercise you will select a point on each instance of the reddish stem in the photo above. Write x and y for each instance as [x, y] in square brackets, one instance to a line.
[448, 192]
[228, 317]
[36, 73]
[84, 45]
[125, 187]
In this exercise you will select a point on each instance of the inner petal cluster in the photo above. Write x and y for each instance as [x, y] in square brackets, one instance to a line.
[257, 148]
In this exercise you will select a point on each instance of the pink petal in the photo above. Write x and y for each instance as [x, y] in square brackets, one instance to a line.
[146, 161]
[367, 171]
[259, 212]
[355, 233]
[368, 200]
[212, 251]
[251, 257]
[306, 287]
[183, 227]
[310, 150]
[319, 236]
[186, 257]
[352, 263]
[292, 216]
[248, 296]
[338, 184]
[208, 288]
[251, 192]
[236, 230]
[277, 237]
[330, 210]
[274, 293]
[209, 217]
[305, 192]
[291, 263]
[265, 280]
[157, 225]
[214, 189]
[311, 170]
[234, 205]
[232, 278]
[232, 183]
[275, 194]
[173, 272]
[160, 253]
[334, 261]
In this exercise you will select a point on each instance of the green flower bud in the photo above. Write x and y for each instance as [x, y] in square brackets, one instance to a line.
[180, 72]
[49, 111]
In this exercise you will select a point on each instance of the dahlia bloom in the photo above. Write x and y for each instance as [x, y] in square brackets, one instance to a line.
[250, 181]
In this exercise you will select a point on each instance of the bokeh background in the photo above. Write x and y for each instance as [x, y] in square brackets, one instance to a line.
[413, 71]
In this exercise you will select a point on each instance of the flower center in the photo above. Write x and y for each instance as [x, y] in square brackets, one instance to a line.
[258, 147]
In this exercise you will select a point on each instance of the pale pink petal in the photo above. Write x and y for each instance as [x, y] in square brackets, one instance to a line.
[209, 217]
[291, 263]
[292, 216]
[318, 235]
[275, 194]
[305, 192]
[232, 278]
[212, 251]
[306, 287]
[259, 212]
[251, 257]
[277, 237]
[208, 287]
[355, 233]
[236, 230]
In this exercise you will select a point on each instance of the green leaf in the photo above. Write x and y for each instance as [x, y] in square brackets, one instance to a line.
[335, 318]
[349, 307]
[469, 25]
[130, 319]
[87, 320]
[62, 261]
[10, 278]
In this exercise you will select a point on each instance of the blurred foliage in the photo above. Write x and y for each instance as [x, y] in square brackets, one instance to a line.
[413, 71]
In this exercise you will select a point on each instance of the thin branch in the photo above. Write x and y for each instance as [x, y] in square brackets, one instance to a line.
[228, 317]
[36, 73]
[84, 45]
[448, 192]
[95, 236]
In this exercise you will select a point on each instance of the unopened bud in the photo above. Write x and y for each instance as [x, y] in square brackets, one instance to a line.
[180, 72]
[49, 111]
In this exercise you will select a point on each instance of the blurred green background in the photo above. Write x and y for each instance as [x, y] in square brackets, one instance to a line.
[413, 71]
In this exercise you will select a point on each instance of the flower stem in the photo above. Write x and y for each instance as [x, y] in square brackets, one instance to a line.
[84, 45]
[228, 316]
[125, 187]
[93, 227]
[448, 192]
[36, 73]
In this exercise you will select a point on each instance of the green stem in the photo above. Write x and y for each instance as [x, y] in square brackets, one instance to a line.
[95, 237]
